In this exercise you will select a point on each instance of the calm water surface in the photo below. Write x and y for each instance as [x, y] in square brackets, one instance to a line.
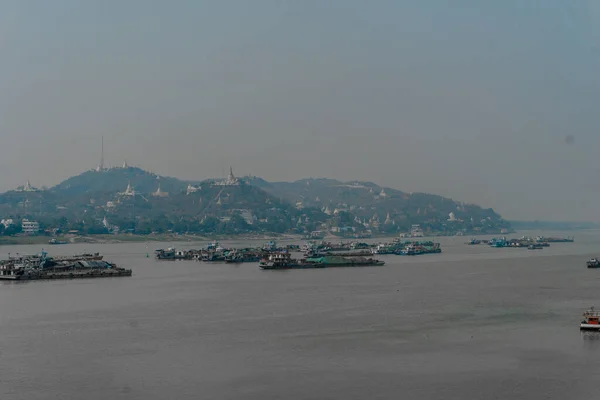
[471, 323]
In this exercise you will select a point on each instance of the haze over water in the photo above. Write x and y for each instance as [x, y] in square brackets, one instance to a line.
[478, 101]
[470, 323]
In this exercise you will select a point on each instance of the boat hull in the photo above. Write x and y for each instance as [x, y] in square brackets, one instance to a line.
[292, 266]
[322, 265]
[589, 327]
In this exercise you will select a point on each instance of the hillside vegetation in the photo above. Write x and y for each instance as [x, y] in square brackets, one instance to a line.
[133, 200]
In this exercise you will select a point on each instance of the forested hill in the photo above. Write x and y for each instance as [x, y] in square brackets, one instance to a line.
[134, 200]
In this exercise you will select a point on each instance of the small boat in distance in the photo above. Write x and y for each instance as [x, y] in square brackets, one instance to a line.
[591, 320]
[535, 247]
[56, 241]
[593, 263]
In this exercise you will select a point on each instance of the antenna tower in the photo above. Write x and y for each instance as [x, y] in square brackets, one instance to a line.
[102, 155]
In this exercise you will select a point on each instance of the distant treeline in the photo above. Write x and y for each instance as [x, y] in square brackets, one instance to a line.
[553, 225]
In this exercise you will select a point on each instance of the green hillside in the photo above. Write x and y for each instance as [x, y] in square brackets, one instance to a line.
[129, 199]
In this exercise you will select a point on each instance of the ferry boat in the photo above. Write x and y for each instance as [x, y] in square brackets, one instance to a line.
[591, 320]
[593, 263]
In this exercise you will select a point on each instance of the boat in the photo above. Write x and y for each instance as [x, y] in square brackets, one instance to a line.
[56, 241]
[535, 247]
[568, 239]
[271, 246]
[411, 250]
[236, 257]
[593, 263]
[474, 241]
[498, 242]
[168, 254]
[383, 248]
[45, 267]
[419, 248]
[591, 320]
[78, 257]
[337, 261]
[285, 261]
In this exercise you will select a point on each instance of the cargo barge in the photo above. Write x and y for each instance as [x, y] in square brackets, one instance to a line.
[47, 268]
[285, 261]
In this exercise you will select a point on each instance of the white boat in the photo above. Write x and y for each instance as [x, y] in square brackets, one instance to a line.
[591, 320]
[593, 263]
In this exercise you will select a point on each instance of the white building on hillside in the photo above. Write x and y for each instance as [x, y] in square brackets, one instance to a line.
[129, 191]
[27, 188]
[160, 193]
[30, 227]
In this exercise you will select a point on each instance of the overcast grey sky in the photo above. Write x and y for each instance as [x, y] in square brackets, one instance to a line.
[469, 99]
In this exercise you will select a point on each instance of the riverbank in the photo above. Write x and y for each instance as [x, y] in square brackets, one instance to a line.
[125, 238]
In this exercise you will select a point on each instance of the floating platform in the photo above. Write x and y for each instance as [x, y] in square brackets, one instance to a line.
[50, 275]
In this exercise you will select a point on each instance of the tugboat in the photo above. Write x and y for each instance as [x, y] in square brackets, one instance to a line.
[591, 320]
[593, 263]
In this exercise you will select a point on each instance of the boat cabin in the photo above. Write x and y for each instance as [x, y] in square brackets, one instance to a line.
[591, 317]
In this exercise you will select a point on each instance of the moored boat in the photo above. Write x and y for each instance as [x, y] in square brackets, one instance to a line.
[285, 261]
[535, 247]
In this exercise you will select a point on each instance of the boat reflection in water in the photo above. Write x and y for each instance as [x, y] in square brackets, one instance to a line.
[591, 336]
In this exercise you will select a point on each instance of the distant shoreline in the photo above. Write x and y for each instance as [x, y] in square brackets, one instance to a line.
[130, 238]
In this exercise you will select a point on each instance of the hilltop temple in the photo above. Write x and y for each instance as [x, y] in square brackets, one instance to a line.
[230, 181]
[129, 191]
[27, 188]
[193, 189]
[160, 193]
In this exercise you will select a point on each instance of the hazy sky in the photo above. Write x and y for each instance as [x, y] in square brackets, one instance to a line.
[469, 99]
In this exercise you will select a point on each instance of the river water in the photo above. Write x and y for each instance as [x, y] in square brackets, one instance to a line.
[470, 323]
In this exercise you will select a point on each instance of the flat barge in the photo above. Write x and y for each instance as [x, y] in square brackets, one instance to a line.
[285, 261]
[42, 267]
[76, 274]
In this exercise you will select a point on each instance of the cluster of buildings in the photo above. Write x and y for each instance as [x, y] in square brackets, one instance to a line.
[28, 227]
